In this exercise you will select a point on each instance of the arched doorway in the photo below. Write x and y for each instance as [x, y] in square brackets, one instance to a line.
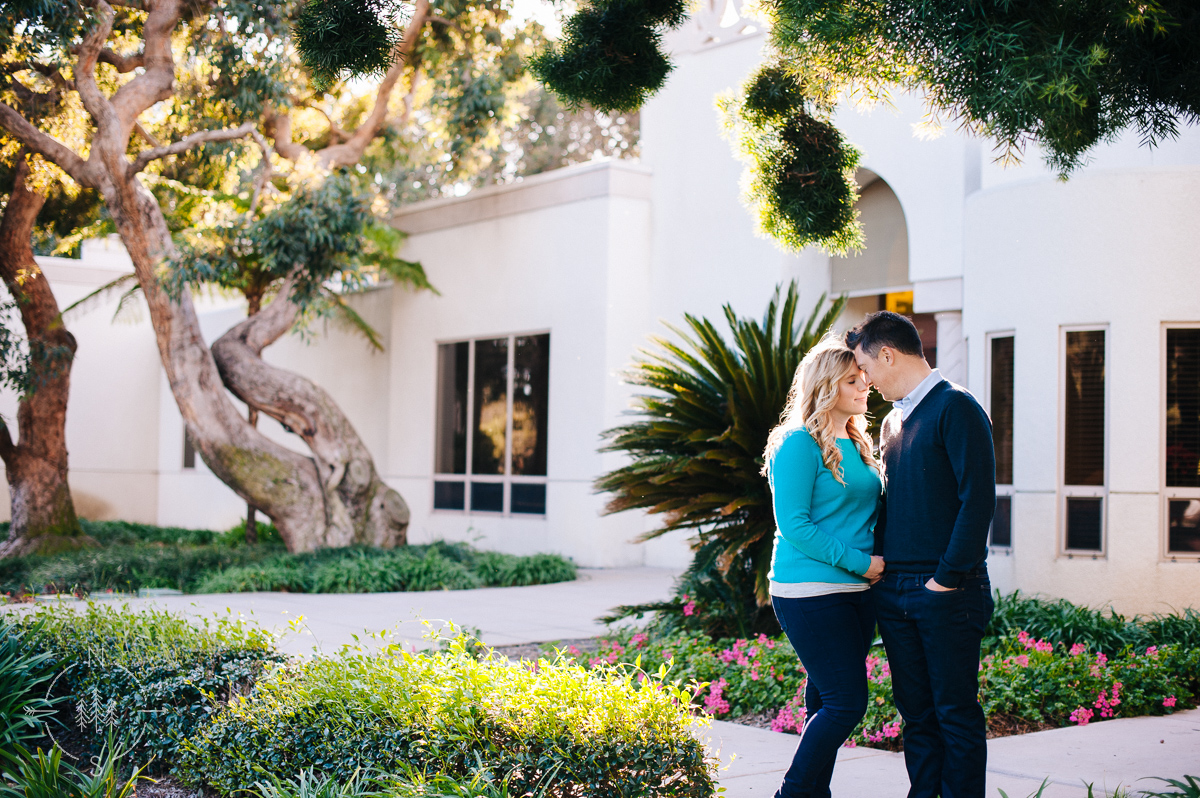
[876, 278]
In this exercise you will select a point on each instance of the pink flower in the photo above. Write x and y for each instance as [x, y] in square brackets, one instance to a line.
[639, 640]
[1022, 660]
[573, 650]
[1152, 651]
[689, 608]
[754, 676]
[1078, 649]
[1043, 646]
[1169, 701]
[850, 743]
[715, 702]
[1081, 716]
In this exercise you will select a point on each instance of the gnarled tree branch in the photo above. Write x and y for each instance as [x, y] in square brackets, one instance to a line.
[123, 63]
[187, 142]
[48, 147]
[351, 150]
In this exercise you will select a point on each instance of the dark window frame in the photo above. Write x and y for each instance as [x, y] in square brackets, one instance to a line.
[468, 478]
[1004, 490]
[1068, 492]
[1169, 493]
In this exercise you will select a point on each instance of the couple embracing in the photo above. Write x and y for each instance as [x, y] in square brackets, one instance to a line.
[900, 542]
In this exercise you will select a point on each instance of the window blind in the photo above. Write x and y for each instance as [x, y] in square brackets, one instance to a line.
[1084, 444]
[1183, 408]
[1002, 407]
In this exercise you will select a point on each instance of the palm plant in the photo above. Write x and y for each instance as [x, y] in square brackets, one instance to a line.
[696, 451]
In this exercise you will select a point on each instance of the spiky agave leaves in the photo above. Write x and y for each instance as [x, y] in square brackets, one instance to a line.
[611, 53]
[344, 38]
[696, 450]
[799, 169]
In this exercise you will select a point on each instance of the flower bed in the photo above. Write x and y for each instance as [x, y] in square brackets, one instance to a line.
[1025, 683]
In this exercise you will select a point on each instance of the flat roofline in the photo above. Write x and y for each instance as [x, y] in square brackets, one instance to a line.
[600, 178]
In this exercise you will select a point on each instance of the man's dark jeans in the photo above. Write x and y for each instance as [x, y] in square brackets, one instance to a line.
[832, 635]
[932, 641]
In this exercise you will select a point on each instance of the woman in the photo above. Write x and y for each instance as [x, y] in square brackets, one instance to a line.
[826, 487]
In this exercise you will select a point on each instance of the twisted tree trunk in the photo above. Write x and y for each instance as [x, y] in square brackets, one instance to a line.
[359, 506]
[43, 514]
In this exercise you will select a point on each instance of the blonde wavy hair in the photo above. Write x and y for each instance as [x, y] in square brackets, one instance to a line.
[810, 402]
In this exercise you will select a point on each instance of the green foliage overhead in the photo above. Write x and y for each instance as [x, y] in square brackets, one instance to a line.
[611, 53]
[338, 38]
[800, 171]
[696, 449]
[1066, 75]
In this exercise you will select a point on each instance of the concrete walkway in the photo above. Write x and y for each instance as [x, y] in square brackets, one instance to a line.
[1107, 754]
[500, 615]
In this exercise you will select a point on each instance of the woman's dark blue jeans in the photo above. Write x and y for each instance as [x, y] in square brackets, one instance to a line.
[832, 634]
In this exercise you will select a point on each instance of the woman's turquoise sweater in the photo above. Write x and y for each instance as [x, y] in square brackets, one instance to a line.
[824, 529]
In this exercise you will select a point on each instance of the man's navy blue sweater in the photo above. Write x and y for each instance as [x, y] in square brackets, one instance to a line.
[941, 486]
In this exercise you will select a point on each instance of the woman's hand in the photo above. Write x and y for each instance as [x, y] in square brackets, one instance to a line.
[875, 572]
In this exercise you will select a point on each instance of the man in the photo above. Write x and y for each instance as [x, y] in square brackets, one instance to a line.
[935, 598]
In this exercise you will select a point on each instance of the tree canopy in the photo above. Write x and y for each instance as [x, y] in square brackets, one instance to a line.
[1064, 75]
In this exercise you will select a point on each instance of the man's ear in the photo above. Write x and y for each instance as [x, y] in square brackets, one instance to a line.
[886, 355]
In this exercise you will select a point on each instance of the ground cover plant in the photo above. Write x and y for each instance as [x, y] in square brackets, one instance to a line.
[554, 726]
[1074, 667]
[128, 556]
[214, 705]
[149, 677]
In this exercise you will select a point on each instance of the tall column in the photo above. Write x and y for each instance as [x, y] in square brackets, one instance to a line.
[951, 349]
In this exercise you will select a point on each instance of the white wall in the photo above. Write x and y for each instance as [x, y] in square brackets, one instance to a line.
[567, 253]
[1113, 246]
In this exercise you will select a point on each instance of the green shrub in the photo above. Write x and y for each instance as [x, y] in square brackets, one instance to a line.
[1058, 621]
[439, 566]
[150, 676]
[133, 556]
[555, 726]
[24, 707]
[1034, 680]
[695, 452]
[126, 567]
[44, 775]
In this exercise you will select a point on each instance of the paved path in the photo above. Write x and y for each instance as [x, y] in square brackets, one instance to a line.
[1108, 754]
[502, 615]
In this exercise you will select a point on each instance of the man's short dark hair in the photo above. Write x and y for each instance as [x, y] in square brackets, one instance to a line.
[886, 329]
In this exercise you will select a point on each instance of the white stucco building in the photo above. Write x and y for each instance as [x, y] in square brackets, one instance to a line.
[1071, 309]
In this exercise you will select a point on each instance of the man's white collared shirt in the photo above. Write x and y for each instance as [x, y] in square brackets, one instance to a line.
[910, 402]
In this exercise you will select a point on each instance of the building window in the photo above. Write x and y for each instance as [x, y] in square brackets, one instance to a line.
[1181, 469]
[493, 396]
[189, 450]
[1000, 406]
[1084, 441]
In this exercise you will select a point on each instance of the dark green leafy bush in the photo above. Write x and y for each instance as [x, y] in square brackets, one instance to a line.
[439, 566]
[132, 556]
[149, 676]
[553, 727]
[1061, 622]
